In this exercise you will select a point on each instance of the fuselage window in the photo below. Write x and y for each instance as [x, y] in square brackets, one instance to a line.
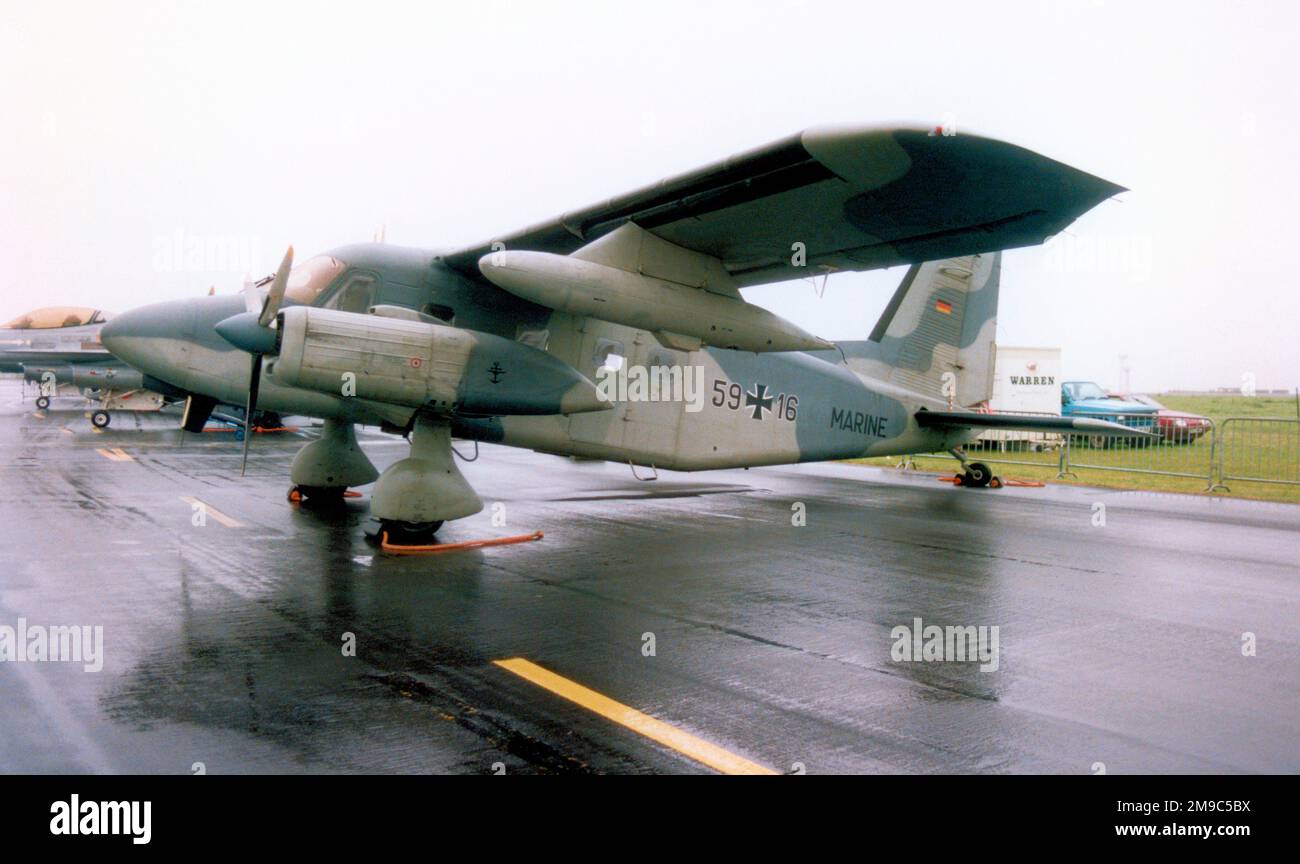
[608, 354]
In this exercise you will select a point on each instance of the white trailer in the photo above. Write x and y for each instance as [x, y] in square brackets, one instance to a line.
[1025, 381]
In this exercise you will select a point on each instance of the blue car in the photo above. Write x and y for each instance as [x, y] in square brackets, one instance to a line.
[1086, 399]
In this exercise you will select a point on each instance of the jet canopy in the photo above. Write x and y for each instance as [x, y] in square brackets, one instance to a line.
[54, 317]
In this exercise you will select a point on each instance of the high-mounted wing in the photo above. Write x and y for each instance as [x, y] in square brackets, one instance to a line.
[857, 199]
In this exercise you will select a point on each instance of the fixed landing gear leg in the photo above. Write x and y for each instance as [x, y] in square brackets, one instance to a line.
[333, 461]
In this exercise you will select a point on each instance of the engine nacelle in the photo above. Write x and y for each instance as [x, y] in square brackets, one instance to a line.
[420, 365]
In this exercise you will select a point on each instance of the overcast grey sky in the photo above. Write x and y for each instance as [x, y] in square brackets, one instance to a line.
[133, 130]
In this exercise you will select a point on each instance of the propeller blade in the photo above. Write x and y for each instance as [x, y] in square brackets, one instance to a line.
[275, 294]
[254, 382]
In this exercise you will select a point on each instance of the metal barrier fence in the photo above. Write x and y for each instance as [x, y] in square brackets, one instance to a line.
[1258, 450]
[1250, 449]
[1177, 452]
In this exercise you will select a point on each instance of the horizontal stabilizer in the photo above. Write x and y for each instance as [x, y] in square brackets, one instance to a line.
[1027, 423]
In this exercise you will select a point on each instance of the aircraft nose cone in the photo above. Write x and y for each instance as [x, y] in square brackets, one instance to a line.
[246, 334]
[122, 334]
[145, 337]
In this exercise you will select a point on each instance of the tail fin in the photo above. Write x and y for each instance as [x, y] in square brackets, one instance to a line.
[936, 335]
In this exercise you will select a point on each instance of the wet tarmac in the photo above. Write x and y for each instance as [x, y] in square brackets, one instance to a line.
[1120, 644]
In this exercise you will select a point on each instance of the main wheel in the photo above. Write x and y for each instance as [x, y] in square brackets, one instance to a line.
[977, 475]
[409, 533]
[42, 402]
[317, 494]
[101, 419]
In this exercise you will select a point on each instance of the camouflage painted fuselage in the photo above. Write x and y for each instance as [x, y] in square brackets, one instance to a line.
[756, 409]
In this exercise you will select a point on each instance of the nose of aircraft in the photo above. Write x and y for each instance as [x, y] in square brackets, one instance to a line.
[145, 337]
[127, 334]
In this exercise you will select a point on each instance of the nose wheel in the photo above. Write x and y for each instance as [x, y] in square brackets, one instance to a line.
[101, 419]
[316, 494]
[408, 533]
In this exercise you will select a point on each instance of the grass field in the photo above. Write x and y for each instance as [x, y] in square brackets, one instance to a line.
[1254, 449]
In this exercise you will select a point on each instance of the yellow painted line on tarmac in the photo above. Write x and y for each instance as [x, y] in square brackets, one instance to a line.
[115, 454]
[656, 730]
[213, 512]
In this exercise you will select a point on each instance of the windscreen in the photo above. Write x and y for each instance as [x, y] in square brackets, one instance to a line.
[311, 277]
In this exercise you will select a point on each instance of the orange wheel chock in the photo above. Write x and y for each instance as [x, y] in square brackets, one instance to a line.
[295, 497]
[464, 544]
[997, 482]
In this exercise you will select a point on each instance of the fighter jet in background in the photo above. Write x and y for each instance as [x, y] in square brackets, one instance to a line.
[58, 349]
[501, 341]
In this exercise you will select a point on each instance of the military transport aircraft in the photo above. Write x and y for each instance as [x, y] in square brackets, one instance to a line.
[58, 347]
[501, 341]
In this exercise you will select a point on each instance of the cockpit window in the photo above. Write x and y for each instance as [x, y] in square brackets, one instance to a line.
[311, 277]
[355, 295]
[54, 317]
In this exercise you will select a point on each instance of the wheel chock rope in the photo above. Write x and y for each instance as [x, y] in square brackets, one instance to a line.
[464, 544]
[997, 482]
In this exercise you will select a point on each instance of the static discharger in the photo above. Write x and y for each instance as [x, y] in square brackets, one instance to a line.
[464, 544]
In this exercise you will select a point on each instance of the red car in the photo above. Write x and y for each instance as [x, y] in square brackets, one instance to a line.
[1175, 427]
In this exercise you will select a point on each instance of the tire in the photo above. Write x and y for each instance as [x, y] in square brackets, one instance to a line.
[42, 402]
[409, 533]
[101, 419]
[318, 494]
[977, 475]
